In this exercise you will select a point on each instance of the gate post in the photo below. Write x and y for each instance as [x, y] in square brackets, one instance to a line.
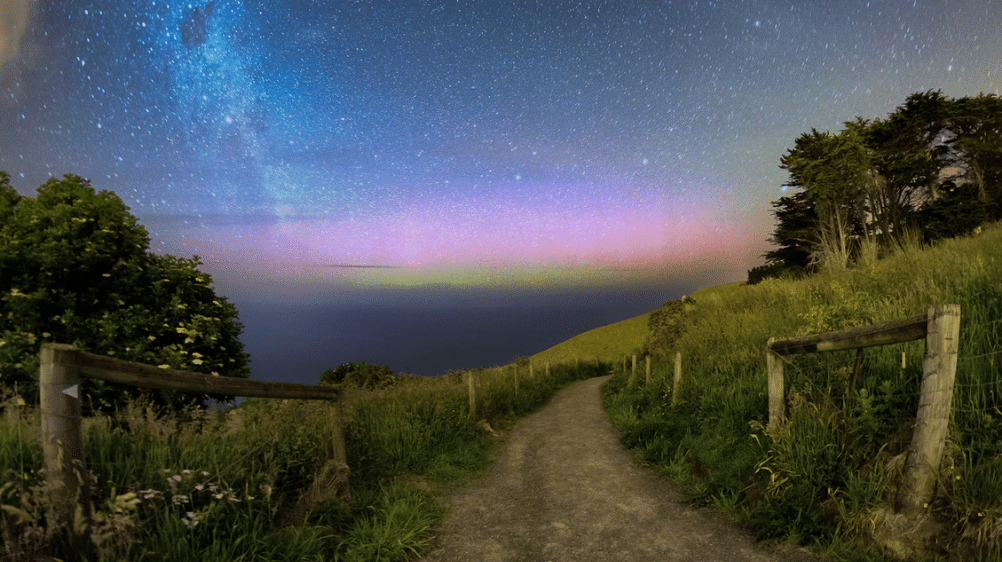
[933, 418]
[777, 390]
[62, 444]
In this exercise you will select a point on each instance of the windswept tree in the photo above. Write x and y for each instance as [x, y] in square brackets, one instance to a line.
[933, 165]
[835, 172]
[976, 143]
[75, 267]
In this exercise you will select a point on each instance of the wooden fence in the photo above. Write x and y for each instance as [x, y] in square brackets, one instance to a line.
[63, 366]
[940, 327]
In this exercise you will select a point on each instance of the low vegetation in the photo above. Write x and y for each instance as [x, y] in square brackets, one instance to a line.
[259, 481]
[822, 480]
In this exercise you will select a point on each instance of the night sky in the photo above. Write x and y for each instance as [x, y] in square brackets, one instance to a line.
[478, 153]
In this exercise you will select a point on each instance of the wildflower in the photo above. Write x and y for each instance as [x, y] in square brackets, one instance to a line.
[199, 487]
[176, 478]
[219, 496]
[186, 471]
[205, 473]
[151, 338]
[190, 519]
[179, 499]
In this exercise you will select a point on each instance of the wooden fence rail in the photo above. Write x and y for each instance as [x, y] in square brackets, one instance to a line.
[940, 327]
[63, 366]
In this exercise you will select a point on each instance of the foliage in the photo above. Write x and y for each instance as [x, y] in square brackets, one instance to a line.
[819, 480]
[75, 267]
[667, 325]
[235, 484]
[934, 164]
[362, 375]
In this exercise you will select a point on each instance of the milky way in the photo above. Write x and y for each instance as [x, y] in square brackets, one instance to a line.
[299, 135]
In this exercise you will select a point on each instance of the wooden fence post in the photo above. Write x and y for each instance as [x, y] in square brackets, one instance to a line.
[648, 369]
[532, 373]
[59, 382]
[547, 368]
[933, 417]
[514, 370]
[473, 394]
[676, 392]
[777, 390]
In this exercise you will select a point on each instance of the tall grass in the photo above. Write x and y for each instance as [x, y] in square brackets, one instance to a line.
[232, 485]
[819, 480]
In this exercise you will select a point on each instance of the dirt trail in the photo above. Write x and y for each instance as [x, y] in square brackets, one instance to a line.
[564, 489]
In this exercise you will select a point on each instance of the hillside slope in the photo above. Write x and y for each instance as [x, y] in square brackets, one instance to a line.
[831, 476]
[606, 343]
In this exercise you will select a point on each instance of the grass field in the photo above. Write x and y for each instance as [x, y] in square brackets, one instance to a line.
[258, 482]
[829, 478]
[607, 343]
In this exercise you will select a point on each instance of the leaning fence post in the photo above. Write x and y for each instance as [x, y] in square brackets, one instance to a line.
[59, 382]
[676, 391]
[777, 392]
[933, 417]
[473, 394]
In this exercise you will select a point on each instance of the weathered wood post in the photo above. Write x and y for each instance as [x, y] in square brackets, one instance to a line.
[676, 391]
[933, 418]
[59, 382]
[514, 371]
[547, 369]
[633, 372]
[777, 391]
[532, 372]
[473, 394]
[648, 369]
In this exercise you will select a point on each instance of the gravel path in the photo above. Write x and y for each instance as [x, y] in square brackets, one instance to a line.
[564, 489]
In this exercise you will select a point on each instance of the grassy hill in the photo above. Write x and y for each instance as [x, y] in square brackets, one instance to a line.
[614, 341]
[606, 343]
[830, 477]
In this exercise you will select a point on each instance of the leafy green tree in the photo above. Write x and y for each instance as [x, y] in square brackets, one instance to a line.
[667, 325]
[75, 267]
[362, 375]
[976, 123]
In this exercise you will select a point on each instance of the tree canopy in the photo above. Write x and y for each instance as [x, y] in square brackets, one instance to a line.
[934, 166]
[75, 267]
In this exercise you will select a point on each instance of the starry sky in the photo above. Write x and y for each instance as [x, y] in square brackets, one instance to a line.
[308, 148]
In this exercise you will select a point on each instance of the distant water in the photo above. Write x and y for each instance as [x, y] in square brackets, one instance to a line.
[427, 331]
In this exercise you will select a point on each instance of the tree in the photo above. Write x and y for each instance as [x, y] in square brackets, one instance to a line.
[796, 235]
[667, 325]
[835, 173]
[362, 375]
[976, 125]
[75, 267]
[935, 164]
